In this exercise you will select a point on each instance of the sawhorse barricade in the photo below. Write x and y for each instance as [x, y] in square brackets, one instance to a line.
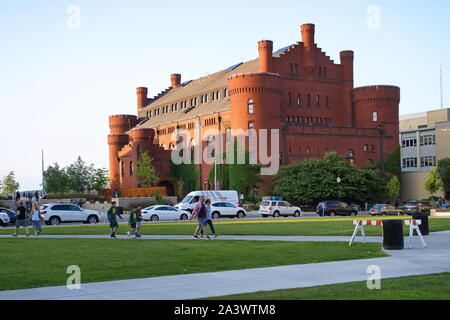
[413, 225]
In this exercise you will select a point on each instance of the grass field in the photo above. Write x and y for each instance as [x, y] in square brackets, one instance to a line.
[426, 287]
[282, 227]
[34, 262]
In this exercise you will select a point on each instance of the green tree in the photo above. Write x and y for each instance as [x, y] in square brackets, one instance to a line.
[239, 177]
[80, 175]
[393, 188]
[443, 170]
[56, 180]
[99, 179]
[392, 165]
[9, 183]
[315, 180]
[146, 171]
[186, 176]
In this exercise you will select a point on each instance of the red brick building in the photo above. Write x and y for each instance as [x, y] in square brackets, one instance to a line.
[298, 90]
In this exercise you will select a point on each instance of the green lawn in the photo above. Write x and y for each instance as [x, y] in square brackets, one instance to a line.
[282, 227]
[426, 287]
[39, 262]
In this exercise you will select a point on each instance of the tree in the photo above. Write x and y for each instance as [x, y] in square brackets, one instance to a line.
[9, 183]
[315, 180]
[99, 179]
[392, 164]
[393, 188]
[239, 177]
[186, 177]
[56, 180]
[443, 170]
[146, 171]
[80, 176]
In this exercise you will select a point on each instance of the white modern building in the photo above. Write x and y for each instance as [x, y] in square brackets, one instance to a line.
[424, 140]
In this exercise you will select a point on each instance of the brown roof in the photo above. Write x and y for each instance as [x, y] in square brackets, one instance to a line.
[196, 88]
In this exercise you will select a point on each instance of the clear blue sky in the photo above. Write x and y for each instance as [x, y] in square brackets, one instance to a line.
[58, 86]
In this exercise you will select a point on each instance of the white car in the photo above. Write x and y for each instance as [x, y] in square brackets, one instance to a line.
[164, 213]
[226, 209]
[4, 219]
[55, 213]
[193, 197]
[278, 208]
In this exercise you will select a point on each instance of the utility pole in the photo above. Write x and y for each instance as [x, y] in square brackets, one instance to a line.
[442, 89]
[43, 181]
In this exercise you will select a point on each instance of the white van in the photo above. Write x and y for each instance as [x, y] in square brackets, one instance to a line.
[214, 195]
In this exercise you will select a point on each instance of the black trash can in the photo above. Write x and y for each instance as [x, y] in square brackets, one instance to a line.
[393, 235]
[424, 227]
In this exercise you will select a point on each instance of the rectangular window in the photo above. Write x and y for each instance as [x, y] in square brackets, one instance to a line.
[409, 142]
[428, 140]
[410, 163]
[429, 161]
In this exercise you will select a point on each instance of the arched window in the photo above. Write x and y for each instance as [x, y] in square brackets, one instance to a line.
[131, 168]
[250, 106]
[289, 99]
[122, 165]
[375, 116]
[318, 100]
[309, 100]
[299, 100]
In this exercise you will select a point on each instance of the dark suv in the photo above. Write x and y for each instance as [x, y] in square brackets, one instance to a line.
[333, 208]
[413, 207]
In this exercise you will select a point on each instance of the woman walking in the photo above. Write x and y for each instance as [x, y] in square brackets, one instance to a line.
[200, 212]
[36, 218]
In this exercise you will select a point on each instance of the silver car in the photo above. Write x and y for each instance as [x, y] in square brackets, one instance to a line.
[278, 209]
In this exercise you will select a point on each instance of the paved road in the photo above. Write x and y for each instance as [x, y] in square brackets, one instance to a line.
[417, 261]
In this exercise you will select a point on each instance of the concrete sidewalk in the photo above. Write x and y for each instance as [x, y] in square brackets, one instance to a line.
[417, 261]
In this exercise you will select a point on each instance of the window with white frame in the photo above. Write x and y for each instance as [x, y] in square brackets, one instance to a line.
[250, 105]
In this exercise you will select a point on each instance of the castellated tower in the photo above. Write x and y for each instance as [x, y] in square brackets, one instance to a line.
[378, 107]
[117, 139]
[142, 98]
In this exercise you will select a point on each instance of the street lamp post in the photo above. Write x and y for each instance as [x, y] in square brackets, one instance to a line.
[339, 180]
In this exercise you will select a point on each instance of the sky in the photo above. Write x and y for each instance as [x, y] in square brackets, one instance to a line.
[65, 66]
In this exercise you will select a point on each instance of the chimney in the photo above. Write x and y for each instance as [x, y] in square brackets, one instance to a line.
[175, 80]
[265, 49]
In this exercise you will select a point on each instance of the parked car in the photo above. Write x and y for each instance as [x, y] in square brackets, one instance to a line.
[164, 213]
[4, 219]
[189, 201]
[422, 206]
[384, 210]
[333, 208]
[11, 214]
[227, 209]
[56, 213]
[278, 209]
[446, 205]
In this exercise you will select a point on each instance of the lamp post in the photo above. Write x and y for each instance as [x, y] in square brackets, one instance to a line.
[339, 180]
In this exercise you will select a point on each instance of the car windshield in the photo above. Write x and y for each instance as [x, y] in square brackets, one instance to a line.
[187, 199]
[377, 206]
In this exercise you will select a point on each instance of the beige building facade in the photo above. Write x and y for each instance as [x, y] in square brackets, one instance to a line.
[424, 140]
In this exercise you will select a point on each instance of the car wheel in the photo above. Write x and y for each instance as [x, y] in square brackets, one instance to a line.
[240, 214]
[154, 218]
[264, 215]
[276, 214]
[184, 217]
[55, 221]
[216, 215]
[92, 220]
[297, 214]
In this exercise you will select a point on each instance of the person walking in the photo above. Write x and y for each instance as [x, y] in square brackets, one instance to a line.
[200, 213]
[112, 214]
[138, 221]
[21, 219]
[209, 218]
[36, 218]
[132, 222]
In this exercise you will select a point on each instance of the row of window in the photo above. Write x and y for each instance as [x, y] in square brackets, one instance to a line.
[309, 102]
[428, 161]
[425, 140]
[216, 95]
[293, 69]
[309, 120]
